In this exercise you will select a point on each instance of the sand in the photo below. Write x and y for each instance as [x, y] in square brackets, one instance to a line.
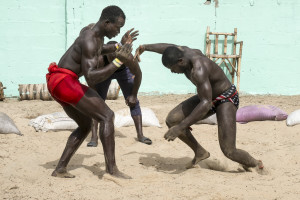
[157, 171]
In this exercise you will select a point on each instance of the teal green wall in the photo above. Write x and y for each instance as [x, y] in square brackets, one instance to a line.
[34, 33]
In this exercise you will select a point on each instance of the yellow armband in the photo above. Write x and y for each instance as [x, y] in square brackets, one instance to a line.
[118, 45]
[117, 62]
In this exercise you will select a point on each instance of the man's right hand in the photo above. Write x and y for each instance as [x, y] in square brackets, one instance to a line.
[129, 37]
[139, 52]
[124, 53]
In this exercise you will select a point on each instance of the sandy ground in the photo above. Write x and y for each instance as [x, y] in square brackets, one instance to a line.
[157, 171]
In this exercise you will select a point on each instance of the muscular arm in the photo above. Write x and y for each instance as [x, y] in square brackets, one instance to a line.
[134, 68]
[108, 48]
[204, 91]
[89, 63]
[158, 47]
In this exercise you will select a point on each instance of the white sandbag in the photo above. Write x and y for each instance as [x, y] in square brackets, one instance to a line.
[209, 120]
[123, 118]
[58, 121]
[293, 118]
[7, 125]
[113, 90]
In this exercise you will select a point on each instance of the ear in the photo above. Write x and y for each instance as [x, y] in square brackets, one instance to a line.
[107, 22]
[180, 61]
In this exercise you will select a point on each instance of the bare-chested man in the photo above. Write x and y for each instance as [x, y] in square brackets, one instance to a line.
[215, 94]
[80, 102]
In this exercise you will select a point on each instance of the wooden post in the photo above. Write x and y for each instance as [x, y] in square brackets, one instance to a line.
[45, 94]
[238, 74]
[207, 42]
[38, 90]
[209, 45]
[2, 92]
[30, 92]
[234, 47]
[216, 44]
[225, 45]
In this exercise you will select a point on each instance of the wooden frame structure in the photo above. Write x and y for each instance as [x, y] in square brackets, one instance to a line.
[231, 61]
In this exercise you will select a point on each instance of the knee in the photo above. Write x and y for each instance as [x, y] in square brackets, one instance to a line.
[136, 110]
[109, 116]
[172, 120]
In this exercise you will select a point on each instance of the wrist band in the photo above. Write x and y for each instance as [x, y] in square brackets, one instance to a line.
[117, 62]
[118, 45]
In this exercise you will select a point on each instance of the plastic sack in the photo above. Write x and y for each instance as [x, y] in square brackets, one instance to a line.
[260, 113]
[212, 120]
[123, 118]
[7, 125]
[58, 121]
[293, 118]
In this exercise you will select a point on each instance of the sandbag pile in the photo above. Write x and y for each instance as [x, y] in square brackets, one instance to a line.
[60, 121]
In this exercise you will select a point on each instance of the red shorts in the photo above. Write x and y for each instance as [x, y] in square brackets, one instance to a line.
[64, 86]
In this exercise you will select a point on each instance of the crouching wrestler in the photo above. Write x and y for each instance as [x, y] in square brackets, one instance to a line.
[215, 94]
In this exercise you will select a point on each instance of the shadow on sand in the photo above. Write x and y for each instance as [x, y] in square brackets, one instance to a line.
[178, 165]
[98, 169]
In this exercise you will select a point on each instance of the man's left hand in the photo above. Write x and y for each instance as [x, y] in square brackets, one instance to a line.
[174, 132]
[124, 53]
[129, 37]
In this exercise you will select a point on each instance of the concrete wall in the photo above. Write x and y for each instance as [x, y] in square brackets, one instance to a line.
[34, 33]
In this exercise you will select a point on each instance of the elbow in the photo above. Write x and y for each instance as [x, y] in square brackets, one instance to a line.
[90, 82]
[207, 104]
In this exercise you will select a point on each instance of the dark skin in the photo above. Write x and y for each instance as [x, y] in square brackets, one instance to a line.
[82, 59]
[210, 82]
[130, 100]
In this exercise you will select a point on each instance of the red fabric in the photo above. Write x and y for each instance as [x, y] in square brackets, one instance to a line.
[64, 86]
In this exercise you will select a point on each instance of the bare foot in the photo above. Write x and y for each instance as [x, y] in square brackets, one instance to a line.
[62, 173]
[117, 177]
[259, 168]
[116, 173]
[197, 158]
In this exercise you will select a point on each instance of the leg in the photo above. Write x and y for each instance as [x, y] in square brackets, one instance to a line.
[94, 138]
[92, 105]
[125, 80]
[176, 116]
[74, 141]
[101, 89]
[138, 126]
[226, 115]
